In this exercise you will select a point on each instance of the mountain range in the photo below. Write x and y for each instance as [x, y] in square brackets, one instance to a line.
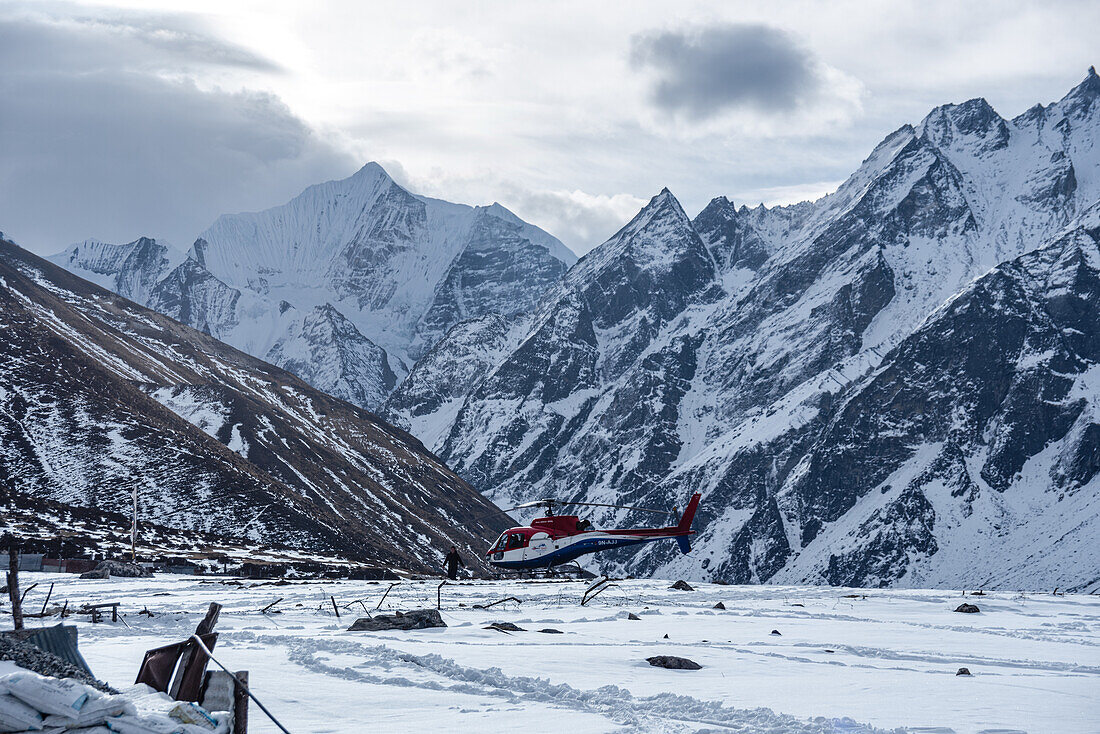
[895, 384]
[892, 385]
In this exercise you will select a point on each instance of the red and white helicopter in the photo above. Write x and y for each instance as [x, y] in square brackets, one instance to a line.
[556, 539]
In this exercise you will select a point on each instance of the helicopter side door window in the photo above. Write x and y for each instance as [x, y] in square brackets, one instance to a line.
[515, 540]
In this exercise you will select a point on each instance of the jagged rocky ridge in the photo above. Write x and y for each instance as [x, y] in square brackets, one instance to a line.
[98, 394]
[346, 285]
[854, 405]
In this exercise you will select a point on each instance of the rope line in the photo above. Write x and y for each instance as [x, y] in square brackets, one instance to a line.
[241, 683]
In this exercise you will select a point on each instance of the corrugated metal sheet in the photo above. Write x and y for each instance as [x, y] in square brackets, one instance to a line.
[27, 561]
[61, 641]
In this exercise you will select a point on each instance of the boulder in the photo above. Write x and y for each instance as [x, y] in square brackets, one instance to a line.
[967, 609]
[777, 633]
[551, 631]
[682, 585]
[633, 617]
[106, 569]
[673, 663]
[720, 605]
[964, 671]
[417, 619]
[505, 627]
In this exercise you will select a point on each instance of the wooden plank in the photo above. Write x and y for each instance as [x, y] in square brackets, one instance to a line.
[205, 627]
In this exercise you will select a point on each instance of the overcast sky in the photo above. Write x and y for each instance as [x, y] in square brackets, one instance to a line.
[152, 118]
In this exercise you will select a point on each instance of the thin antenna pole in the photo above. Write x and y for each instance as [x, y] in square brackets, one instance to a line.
[133, 526]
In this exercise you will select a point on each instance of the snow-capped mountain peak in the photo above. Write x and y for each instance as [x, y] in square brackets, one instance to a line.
[399, 269]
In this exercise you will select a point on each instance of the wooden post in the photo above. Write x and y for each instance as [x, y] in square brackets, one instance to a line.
[240, 703]
[13, 584]
[334, 607]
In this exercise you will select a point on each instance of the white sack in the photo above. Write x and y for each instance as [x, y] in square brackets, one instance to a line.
[94, 712]
[131, 724]
[61, 696]
[17, 716]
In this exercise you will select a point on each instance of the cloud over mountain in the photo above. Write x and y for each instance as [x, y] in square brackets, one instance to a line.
[116, 118]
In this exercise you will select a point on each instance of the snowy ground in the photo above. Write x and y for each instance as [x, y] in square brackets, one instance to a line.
[886, 661]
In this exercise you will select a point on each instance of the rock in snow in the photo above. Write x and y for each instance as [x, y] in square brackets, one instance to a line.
[123, 569]
[417, 619]
[967, 609]
[673, 663]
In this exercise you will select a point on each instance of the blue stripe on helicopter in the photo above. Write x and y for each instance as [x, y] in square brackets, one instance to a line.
[574, 551]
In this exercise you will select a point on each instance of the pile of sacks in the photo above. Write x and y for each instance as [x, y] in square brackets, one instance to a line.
[36, 704]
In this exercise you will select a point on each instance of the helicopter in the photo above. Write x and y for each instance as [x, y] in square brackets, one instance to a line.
[553, 540]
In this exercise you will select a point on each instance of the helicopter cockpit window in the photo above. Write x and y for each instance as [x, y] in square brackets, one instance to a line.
[501, 542]
[516, 540]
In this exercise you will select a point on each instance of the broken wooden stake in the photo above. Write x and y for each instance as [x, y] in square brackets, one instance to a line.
[498, 601]
[385, 595]
[46, 603]
[26, 591]
[334, 607]
[265, 609]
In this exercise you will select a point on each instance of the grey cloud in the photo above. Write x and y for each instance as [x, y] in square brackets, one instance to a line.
[704, 72]
[95, 143]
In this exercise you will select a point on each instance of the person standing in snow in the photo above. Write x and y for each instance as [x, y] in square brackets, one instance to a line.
[453, 561]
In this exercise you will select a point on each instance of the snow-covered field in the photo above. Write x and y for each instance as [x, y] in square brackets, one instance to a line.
[886, 660]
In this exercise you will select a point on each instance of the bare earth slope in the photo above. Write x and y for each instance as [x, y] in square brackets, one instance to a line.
[98, 394]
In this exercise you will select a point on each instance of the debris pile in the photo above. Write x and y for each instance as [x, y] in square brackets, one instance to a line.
[32, 702]
[33, 658]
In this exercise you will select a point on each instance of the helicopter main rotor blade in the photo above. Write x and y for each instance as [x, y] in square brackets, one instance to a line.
[621, 507]
[534, 503]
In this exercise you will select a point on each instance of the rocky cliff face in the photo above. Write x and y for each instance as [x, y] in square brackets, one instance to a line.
[346, 285]
[769, 359]
[99, 395]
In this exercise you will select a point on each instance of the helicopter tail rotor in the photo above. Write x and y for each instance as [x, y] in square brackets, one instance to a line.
[684, 525]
